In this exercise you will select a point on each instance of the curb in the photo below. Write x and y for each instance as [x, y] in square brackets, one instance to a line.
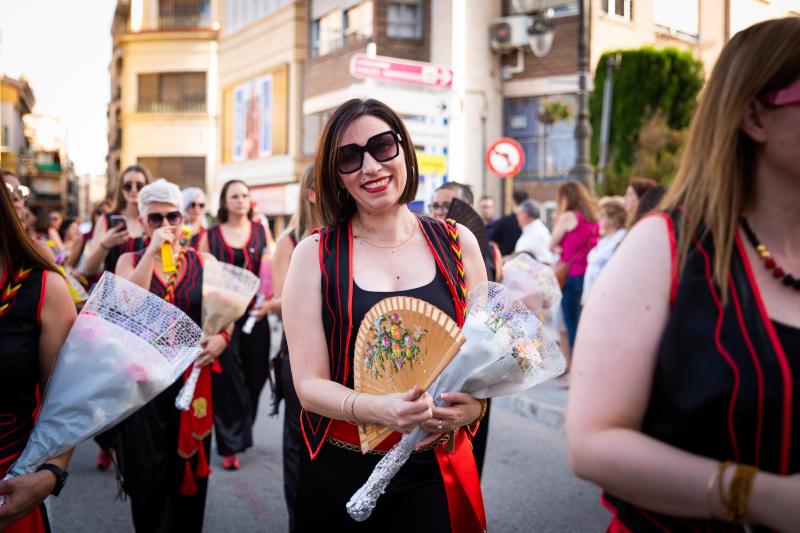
[549, 414]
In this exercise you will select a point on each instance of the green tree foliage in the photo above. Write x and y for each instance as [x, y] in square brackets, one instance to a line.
[649, 82]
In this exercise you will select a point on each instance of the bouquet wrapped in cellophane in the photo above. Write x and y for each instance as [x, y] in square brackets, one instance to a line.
[533, 283]
[507, 350]
[227, 291]
[125, 347]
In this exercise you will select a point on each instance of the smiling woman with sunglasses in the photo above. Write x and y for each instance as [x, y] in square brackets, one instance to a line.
[373, 247]
[168, 491]
[194, 210]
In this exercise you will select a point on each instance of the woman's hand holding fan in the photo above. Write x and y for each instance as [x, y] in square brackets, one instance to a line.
[507, 350]
[227, 291]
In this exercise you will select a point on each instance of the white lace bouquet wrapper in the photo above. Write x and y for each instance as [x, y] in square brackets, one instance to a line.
[227, 291]
[533, 283]
[126, 346]
[507, 350]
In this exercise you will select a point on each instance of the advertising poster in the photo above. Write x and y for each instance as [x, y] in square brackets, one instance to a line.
[252, 119]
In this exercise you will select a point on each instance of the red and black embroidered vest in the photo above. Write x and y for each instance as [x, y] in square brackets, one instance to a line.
[336, 259]
[726, 385]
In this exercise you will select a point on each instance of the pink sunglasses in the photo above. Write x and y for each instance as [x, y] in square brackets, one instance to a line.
[787, 96]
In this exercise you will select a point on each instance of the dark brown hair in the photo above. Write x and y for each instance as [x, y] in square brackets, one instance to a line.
[573, 196]
[331, 208]
[641, 186]
[119, 199]
[16, 249]
[222, 212]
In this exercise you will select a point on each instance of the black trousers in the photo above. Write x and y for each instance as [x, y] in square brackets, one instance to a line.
[292, 437]
[415, 500]
[237, 389]
[152, 471]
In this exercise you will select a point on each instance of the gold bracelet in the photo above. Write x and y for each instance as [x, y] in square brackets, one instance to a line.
[344, 416]
[739, 491]
[710, 489]
[726, 504]
[353, 408]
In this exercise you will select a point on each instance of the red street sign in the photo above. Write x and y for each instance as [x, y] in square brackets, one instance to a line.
[505, 157]
[363, 66]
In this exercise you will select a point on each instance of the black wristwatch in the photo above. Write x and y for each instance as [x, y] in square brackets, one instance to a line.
[61, 476]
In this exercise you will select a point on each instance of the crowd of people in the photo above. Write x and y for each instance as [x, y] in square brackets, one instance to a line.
[679, 316]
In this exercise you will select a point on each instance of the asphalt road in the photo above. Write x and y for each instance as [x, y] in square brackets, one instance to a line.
[527, 486]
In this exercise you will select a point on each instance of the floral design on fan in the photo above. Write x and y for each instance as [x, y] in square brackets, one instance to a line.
[393, 346]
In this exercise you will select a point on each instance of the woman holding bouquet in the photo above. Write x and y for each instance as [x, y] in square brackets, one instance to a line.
[163, 452]
[374, 247]
[36, 313]
[245, 363]
[684, 401]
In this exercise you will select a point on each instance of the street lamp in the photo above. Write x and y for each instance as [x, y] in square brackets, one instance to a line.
[582, 171]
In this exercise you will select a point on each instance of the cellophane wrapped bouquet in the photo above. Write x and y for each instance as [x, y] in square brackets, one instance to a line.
[125, 347]
[227, 291]
[533, 283]
[507, 350]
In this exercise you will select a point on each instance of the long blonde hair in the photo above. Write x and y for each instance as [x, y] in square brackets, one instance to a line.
[304, 218]
[714, 183]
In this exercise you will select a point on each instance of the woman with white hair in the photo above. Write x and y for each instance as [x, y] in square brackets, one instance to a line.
[162, 452]
[194, 211]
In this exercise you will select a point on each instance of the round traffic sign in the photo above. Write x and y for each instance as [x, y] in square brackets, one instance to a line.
[505, 157]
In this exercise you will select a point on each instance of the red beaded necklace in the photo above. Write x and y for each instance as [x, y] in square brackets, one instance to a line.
[769, 261]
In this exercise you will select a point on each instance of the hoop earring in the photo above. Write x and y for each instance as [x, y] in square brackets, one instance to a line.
[346, 195]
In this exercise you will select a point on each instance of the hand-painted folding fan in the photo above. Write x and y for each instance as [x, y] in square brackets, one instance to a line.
[402, 342]
[465, 215]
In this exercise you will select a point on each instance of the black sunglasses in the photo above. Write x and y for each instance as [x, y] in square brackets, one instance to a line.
[129, 185]
[156, 220]
[382, 147]
[197, 204]
[21, 191]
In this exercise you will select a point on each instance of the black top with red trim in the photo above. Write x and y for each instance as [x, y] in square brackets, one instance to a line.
[194, 241]
[188, 295]
[338, 316]
[21, 302]
[726, 383]
[133, 245]
[248, 257]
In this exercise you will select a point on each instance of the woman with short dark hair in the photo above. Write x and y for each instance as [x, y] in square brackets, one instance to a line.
[373, 247]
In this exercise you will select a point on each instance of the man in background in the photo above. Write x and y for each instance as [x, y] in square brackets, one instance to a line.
[535, 238]
[486, 210]
[506, 230]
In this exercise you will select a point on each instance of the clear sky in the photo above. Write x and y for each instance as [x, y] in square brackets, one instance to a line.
[64, 48]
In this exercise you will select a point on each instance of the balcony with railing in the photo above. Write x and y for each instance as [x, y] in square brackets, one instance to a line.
[182, 106]
[181, 15]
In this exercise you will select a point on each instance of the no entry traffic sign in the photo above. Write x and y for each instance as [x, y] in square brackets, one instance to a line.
[505, 157]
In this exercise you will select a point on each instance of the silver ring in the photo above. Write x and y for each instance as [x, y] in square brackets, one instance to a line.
[439, 427]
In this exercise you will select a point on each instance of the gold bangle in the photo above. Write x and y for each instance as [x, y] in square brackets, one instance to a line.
[739, 491]
[710, 489]
[344, 401]
[484, 406]
[353, 408]
[726, 504]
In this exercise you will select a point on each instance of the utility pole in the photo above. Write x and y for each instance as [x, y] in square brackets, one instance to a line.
[583, 171]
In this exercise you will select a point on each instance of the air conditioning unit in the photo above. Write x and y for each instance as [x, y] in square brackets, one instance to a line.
[508, 33]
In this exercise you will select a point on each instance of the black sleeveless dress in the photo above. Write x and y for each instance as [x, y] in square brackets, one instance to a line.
[147, 442]
[245, 363]
[22, 293]
[726, 383]
[414, 500]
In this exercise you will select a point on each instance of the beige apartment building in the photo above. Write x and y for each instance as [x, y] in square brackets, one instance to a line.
[163, 109]
[262, 49]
